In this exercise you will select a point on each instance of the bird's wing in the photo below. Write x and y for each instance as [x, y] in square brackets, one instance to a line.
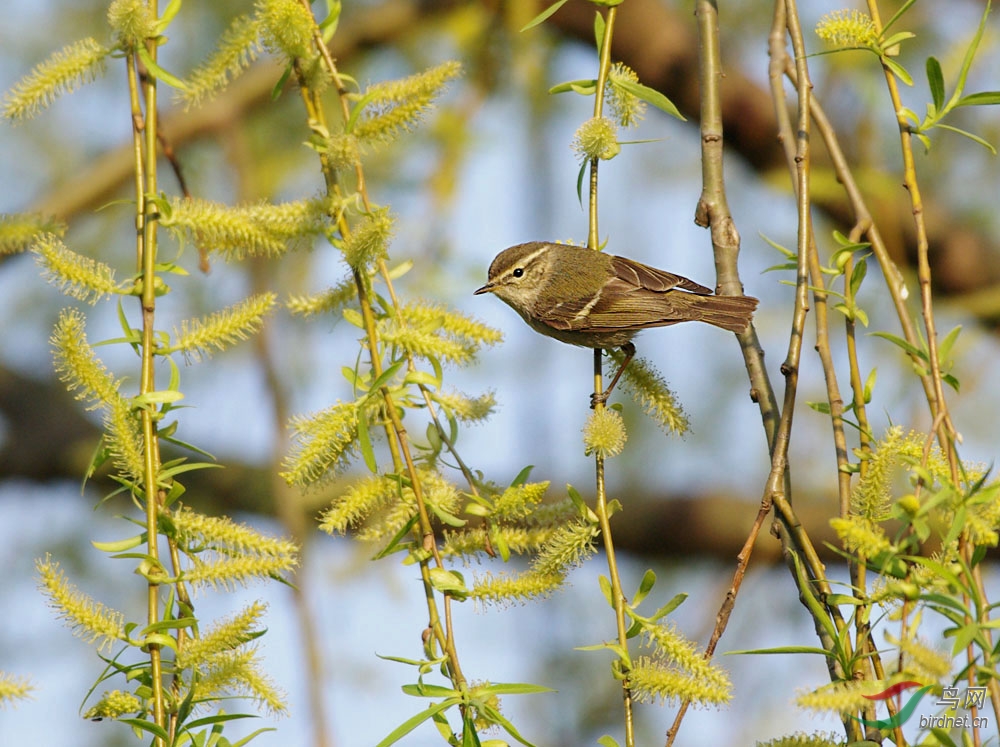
[621, 305]
[650, 278]
[634, 298]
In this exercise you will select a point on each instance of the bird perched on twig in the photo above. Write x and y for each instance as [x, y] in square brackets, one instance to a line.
[596, 300]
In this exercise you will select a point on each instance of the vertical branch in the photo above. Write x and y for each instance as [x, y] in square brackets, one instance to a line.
[713, 211]
[144, 141]
[604, 521]
[942, 424]
[397, 437]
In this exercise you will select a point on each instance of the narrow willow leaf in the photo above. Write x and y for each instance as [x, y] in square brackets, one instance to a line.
[947, 343]
[858, 276]
[427, 690]
[586, 87]
[158, 72]
[935, 79]
[895, 40]
[898, 14]
[365, 444]
[522, 476]
[983, 98]
[898, 70]
[670, 606]
[651, 96]
[120, 545]
[645, 586]
[329, 24]
[168, 15]
[494, 716]
[897, 340]
[970, 55]
[414, 721]
[545, 14]
[975, 138]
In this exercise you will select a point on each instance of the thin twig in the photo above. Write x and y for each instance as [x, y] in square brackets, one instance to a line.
[601, 505]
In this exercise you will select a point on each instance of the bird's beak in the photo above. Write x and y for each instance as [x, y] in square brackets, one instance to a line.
[488, 288]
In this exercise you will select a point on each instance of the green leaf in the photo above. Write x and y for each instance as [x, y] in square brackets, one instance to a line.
[165, 474]
[411, 662]
[492, 714]
[607, 741]
[892, 41]
[448, 518]
[870, 385]
[781, 650]
[896, 340]
[448, 582]
[218, 718]
[329, 24]
[843, 242]
[947, 343]
[898, 70]
[168, 15]
[499, 542]
[177, 622]
[541, 17]
[645, 586]
[120, 545]
[823, 408]
[785, 266]
[585, 87]
[158, 72]
[935, 79]
[858, 276]
[144, 725]
[353, 317]
[983, 98]
[897, 15]
[522, 476]
[975, 138]
[511, 688]
[365, 444]
[160, 397]
[970, 55]
[578, 502]
[579, 181]
[402, 268]
[424, 690]
[395, 543]
[414, 721]
[651, 96]
[606, 589]
[599, 26]
[422, 378]
[385, 376]
[669, 607]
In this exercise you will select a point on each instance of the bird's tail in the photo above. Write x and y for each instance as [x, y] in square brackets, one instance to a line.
[728, 312]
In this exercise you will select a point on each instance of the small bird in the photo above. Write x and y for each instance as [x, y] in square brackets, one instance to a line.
[596, 300]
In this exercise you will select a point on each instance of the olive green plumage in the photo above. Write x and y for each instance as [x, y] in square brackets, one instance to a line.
[597, 300]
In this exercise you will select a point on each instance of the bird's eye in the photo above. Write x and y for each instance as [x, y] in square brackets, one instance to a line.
[518, 272]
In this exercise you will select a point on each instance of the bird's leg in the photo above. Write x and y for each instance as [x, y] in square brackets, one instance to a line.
[629, 349]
